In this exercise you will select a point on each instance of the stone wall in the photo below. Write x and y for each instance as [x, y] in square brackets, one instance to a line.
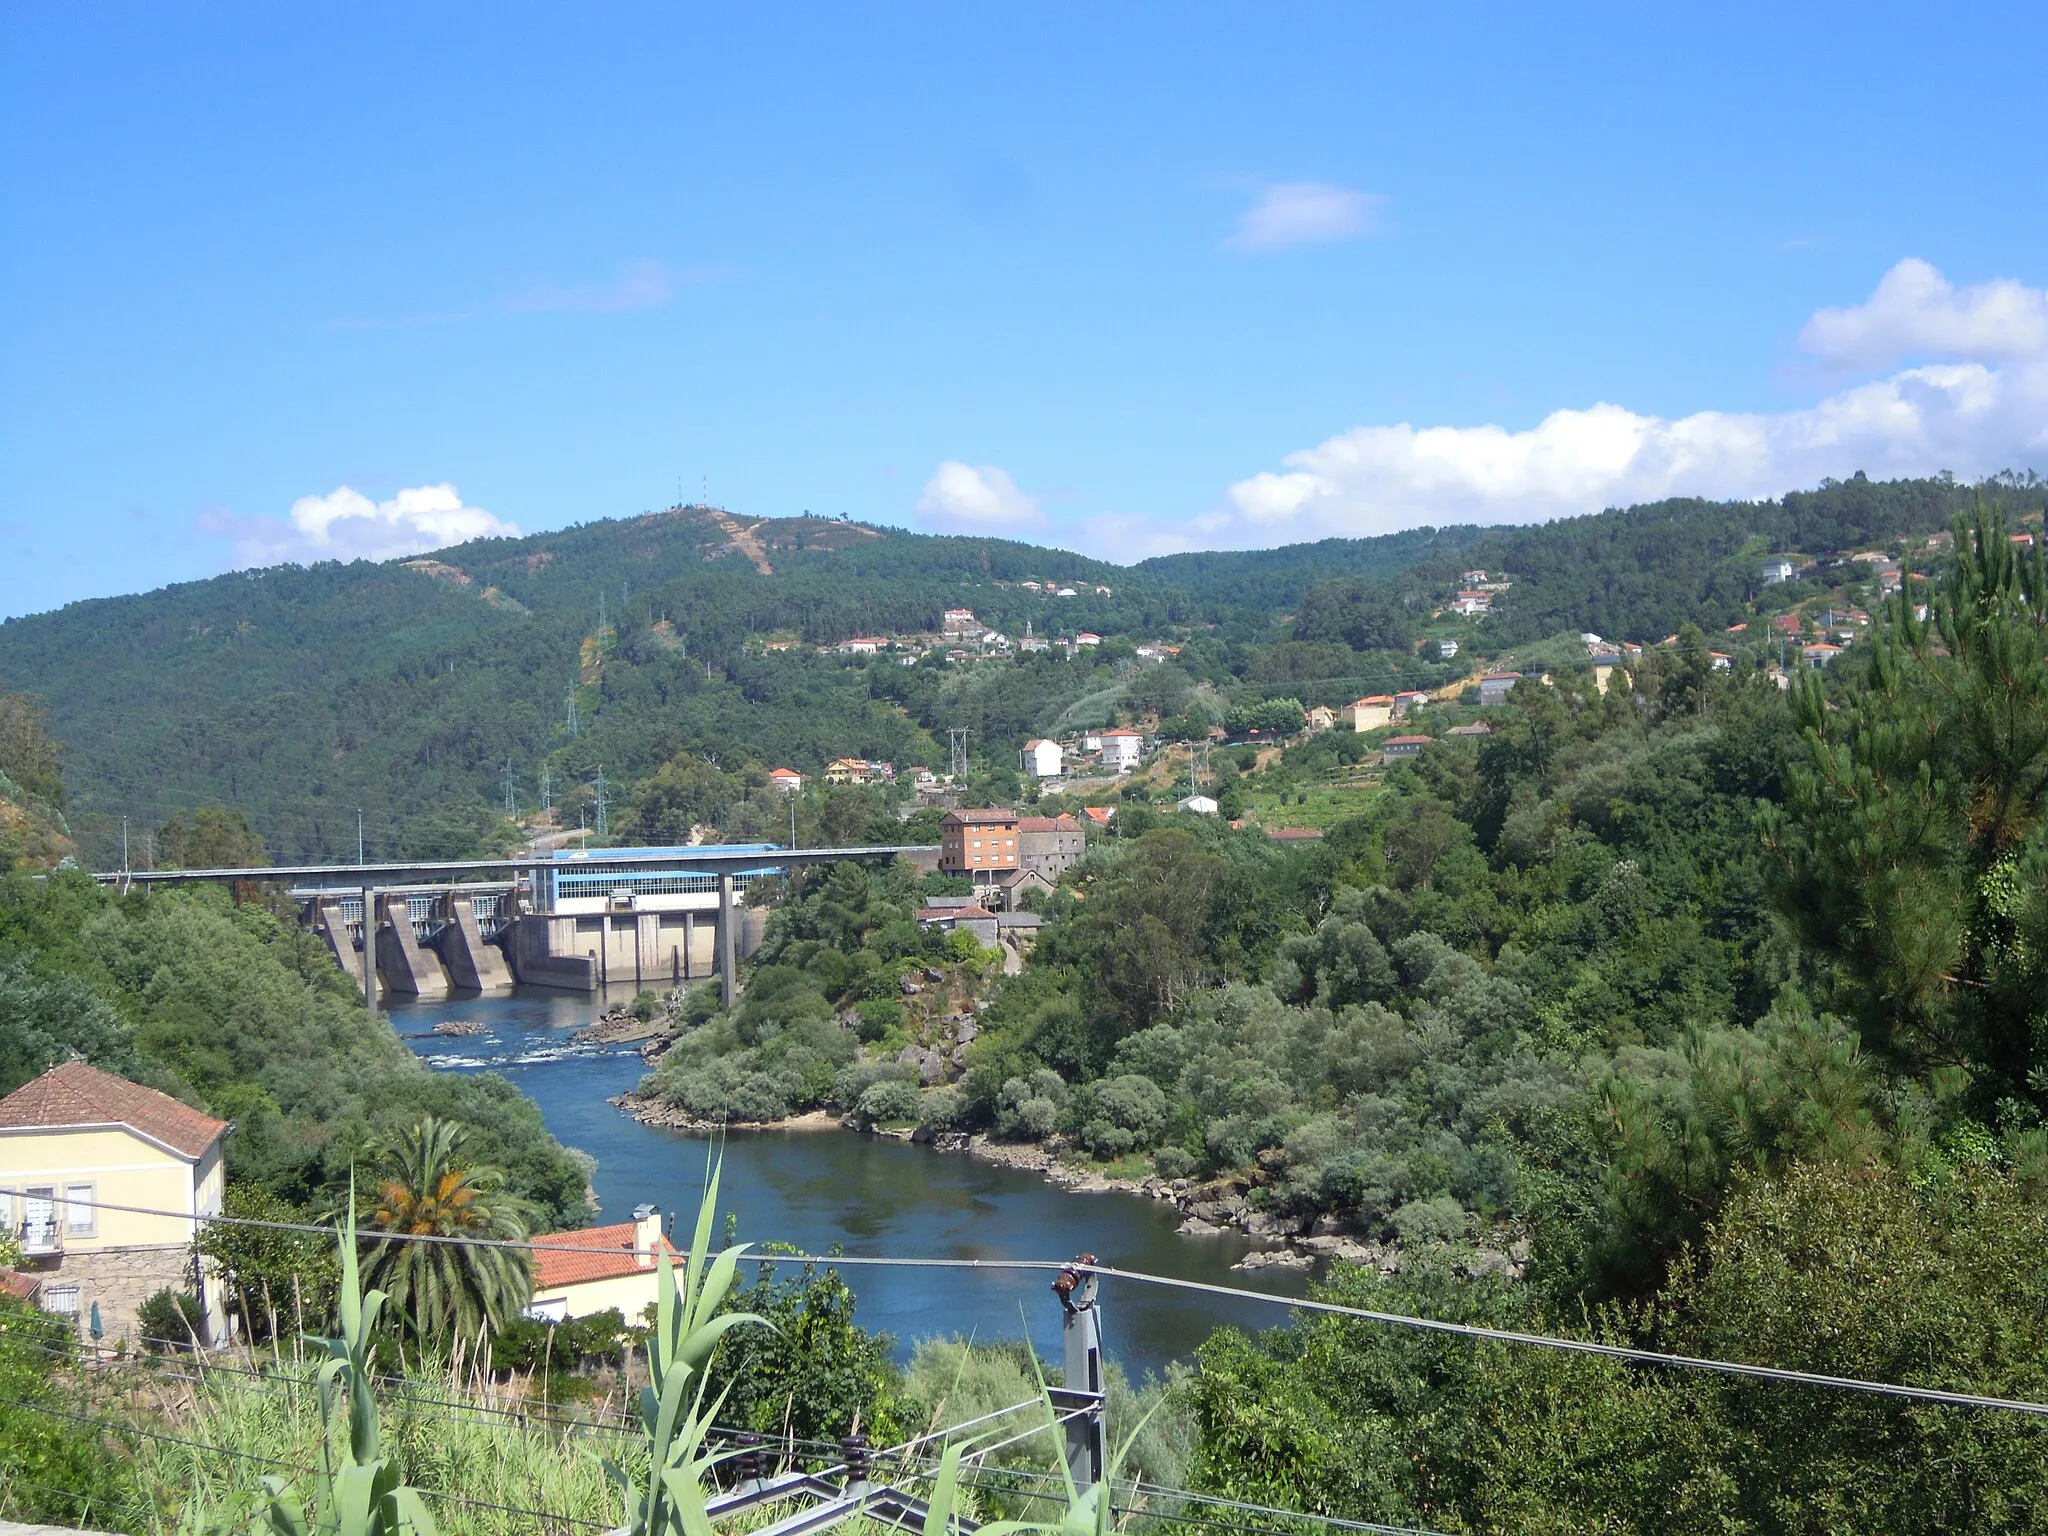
[120, 1280]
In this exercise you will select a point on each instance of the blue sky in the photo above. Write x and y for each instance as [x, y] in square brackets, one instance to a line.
[293, 281]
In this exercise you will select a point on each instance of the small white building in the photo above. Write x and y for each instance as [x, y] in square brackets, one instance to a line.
[1121, 750]
[1042, 759]
[1446, 649]
[788, 780]
[1086, 638]
[1473, 605]
[1201, 805]
[960, 621]
[1775, 571]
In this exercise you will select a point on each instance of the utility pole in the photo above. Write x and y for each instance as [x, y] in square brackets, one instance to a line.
[574, 729]
[511, 792]
[547, 791]
[792, 823]
[359, 836]
[1081, 1392]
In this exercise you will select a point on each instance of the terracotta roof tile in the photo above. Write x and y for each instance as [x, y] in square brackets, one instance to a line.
[77, 1093]
[553, 1267]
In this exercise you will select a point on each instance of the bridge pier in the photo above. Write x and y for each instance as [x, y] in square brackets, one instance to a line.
[728, 964]
[473, 962]
[406, 966]
[368, 953]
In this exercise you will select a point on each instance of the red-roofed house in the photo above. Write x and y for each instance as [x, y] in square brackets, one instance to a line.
[77, 1142]
[788, 780]
[578, 1274]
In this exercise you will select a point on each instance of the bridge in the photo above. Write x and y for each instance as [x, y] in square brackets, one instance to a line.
[580, 920]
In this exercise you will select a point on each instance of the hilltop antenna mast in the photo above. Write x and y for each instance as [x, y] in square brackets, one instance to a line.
[574, 729]
[956, 742]
[511, 791]
[547, 791]
[603, 820]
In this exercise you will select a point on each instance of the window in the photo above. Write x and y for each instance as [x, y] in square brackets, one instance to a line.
[39, 1219]
[63, 1301]
[79, 1210]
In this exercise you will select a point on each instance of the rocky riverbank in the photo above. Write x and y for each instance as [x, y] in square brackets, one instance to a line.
[1209, 1209]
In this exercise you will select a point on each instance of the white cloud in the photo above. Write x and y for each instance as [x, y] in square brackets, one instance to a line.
[1961, 413]
[347, 525]
[1916, 312]
[1304, 213]
[639, 285]
[977, 498]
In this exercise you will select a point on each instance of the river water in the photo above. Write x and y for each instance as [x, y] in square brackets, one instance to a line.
[818, 1189]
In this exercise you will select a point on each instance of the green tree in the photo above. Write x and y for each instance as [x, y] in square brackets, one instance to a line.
[213, 837]
[1914, 841]
[28, 755]
[426, 1188]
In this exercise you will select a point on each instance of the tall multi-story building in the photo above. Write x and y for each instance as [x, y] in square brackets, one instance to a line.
[979, 844]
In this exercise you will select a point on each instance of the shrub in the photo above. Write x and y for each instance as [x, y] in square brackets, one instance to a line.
[643, 1006]
[1029, 1107]
[941, 1109]
[171, 1320]
[1119, 1115]
[1437, 1220]
[1174, 1162]
[875, 1018]
[889, 1102]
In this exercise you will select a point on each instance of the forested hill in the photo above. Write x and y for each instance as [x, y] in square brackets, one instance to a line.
[301, 695]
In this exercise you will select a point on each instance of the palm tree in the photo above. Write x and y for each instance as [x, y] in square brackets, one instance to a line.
[426, 1188]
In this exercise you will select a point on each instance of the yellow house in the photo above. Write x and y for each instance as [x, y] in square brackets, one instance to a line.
[77, 1143]
[577, 1274]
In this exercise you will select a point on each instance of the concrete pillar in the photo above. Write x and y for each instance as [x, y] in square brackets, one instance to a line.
[728, 980]
[689, 941]
[370, 951]
[406, 965]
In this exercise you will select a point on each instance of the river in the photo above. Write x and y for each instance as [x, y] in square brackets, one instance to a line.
[815, 1189]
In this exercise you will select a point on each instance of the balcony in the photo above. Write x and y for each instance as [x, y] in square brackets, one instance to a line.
[41, 1239]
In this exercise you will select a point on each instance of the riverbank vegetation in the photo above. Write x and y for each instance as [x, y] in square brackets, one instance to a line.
[1684, 1014]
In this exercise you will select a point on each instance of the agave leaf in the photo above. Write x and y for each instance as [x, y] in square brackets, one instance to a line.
[413, 1514]
[698, 1347]
[717, 1283]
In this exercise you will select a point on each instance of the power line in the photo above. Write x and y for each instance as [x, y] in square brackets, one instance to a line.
[1293, 1303]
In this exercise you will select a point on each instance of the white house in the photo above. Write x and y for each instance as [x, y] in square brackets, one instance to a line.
[788, 780]
[1473, 604]
[1042, 759]
[1775, 571]
[1087, 638]
[1121, 750]
[1201, 805]
[1446, 649]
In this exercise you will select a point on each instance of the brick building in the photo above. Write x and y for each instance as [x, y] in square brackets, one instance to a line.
[979, 844]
